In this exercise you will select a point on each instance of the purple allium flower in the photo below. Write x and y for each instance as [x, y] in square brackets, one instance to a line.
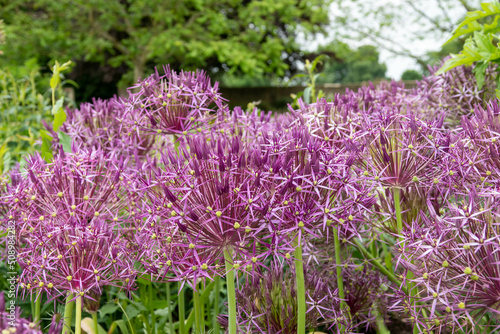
[267, 303]
[455, 264]
[104, 125]
[69, 217]
[11, 321]
[217, 199]
[174, 103]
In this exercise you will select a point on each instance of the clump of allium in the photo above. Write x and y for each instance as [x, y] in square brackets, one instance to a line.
[455, 264]
[168, 254]
[66, 257]
[478, 152]
[267, 303]
[12, 322]
[315, 188]
[104, 125]
[69, 217]
[214, 195]
[452, 94]
[174, 102]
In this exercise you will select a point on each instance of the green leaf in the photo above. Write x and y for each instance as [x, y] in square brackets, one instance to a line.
[108, 308]
[89, 328]
[65, 141]
[59, 119]
[46, 146]
[6, 161]
[307, 95]
[58, 105]
[143, 281]
[480, 73]
[122, 325]
[132, 311]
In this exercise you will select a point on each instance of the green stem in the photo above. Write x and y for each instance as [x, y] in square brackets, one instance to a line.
[388, 257]
[170, 322]
[96, 323]
[340, 281]
[301, 289]
[78, 316]
[397, 208]
[38, 306]
[215, 322]
[231, 292]
[379, 266]
[203, 299]
[151, 309]
[197, 309]
[182, 311]
[68, 313]
[381, 327]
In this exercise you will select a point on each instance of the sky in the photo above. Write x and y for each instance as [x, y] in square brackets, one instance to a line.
[410, 29]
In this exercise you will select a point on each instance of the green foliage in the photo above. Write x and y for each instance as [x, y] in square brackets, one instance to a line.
[481, 48]
[253, 37]
[309, 94]
[24, 103]
[411, 75]
[23, 106]
[351, 65]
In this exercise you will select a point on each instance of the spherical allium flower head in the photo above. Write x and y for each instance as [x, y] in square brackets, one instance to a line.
[169, 254]
[213, 194]
[67, 216]
[455, 264]
[315, 188]
[12, 322]
[454, 93]
[404, 152]
[174, 103]
[104, 125]
[76, 187]
[478, 152]
[58, 257]
[267, 303]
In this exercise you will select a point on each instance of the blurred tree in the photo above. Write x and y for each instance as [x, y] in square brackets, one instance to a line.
[411, 75]
[253, 37]
[347, 65]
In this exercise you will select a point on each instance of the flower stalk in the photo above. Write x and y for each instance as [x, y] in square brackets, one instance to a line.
[301, 289]
[231, 292]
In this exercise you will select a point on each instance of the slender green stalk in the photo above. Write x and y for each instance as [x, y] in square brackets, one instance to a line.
[340, 280]
[375, 262]
[203, 299]
[152, 309]
[301, 289]
[231, 292]
[397, 208]
[170, 322]
[182, 311]
[373, 247]
[202, 312]
[215, 323]
[198, 313]
[78, 316]
[68, 313]
[32, 303]
[399, 222]
[388, 257]
[197, 310]
[96, 323]
[38, 306]
[381, 327]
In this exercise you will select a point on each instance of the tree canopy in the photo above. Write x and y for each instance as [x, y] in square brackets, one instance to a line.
[253, 37]
[348, 65]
